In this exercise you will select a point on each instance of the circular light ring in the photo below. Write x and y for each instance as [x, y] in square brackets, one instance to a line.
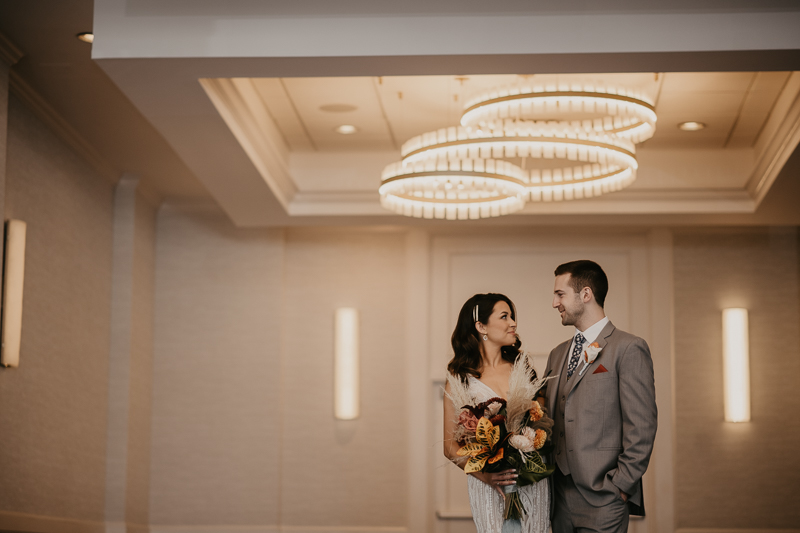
[606, 151]
[453, 210]
[587, 188]
[471, 189]
[503, 169]
[625, 115]
[634, 131]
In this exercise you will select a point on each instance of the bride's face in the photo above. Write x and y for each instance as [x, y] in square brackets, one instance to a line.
[500, 329]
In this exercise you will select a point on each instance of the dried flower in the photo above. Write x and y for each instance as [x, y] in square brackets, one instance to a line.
[536, 411]
[521, 442]
[497, 419]
[493, 408]
[590, 353]
[468, 420]
[539, 440]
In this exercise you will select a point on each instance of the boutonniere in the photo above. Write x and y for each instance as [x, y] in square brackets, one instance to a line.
[589, 355]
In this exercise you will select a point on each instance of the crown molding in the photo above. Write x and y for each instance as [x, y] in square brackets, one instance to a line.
[777, 141]
[242, 109]
[9, 52]
[59, 125]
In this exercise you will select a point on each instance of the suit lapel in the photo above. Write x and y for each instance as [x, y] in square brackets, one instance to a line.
[602, 340]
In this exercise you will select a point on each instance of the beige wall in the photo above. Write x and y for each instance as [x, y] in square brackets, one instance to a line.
[337, 473]
[141, 364]
[216, 404]
[737, 475]
[243, 427]
[53, 407]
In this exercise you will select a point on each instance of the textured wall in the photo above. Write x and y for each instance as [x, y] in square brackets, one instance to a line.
[338, 473]
[243, 427]
[141, 364]
[737, 475]
[216, 404]
[53, 407]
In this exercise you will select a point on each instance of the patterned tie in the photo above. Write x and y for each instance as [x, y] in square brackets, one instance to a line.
[576, 355]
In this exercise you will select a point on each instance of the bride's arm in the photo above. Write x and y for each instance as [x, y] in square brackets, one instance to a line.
[497, 479]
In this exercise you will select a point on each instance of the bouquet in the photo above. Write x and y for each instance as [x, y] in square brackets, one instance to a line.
[500, 434]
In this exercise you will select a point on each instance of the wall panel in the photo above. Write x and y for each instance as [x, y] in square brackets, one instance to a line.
[344, 473]
[53, 407]
[215, 408]
[737, 475]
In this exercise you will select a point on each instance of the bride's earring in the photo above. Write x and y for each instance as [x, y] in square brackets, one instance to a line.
[485, 337]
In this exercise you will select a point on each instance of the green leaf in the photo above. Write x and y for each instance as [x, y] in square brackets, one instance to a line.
[534, 470]
[534, 465]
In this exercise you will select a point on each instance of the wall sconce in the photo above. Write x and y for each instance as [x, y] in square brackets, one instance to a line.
[736, 364]
[13, 277]
[346, 364]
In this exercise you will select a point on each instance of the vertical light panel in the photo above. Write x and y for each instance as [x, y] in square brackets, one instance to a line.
[346, 364]
[13, 278]
[736, 364]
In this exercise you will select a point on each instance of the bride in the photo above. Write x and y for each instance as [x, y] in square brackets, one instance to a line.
[485, 345]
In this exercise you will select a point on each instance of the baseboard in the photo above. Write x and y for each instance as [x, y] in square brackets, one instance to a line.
[13, 521]
[28, 523]
[731, 530]
[275, 529]
[342, 529]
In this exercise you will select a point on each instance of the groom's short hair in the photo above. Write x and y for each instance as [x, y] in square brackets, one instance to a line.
[585, 273]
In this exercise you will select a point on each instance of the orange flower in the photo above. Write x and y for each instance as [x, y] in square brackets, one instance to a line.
[536, 411]
[541, 437]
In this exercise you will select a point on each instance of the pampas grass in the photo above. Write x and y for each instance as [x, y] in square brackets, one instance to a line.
[459, 393]
[522, 389]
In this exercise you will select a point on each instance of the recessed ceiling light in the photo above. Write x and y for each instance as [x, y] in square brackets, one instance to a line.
[691, 126]
[87, 37]
[346, 129]
[337, 108]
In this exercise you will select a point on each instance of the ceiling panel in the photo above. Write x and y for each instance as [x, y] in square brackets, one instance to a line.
[702, 82]
[390, 110]
[311, 94]
[282, 111]
[756, 108]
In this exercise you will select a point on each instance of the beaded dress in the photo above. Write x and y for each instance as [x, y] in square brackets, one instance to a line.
[487, 505]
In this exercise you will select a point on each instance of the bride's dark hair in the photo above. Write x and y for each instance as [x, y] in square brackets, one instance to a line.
[465, 340]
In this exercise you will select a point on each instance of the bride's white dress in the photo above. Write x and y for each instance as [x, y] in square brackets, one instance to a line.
[487, 505]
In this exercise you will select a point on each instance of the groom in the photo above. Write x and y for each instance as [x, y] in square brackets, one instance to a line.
[604, 410]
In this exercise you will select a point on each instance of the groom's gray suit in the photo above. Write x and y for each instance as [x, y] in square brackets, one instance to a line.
[605, 418]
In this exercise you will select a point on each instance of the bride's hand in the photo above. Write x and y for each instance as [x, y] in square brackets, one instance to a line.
[498, 479]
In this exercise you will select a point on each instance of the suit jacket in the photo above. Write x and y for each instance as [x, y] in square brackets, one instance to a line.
[610, 417]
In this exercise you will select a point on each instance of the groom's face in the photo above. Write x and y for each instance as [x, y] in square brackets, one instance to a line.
[568, 303]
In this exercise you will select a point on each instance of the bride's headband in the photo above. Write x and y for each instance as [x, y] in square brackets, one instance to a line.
[475, 313]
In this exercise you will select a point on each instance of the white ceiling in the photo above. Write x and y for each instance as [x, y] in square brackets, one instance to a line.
[283, 164]
[390, 110]
[325, 172]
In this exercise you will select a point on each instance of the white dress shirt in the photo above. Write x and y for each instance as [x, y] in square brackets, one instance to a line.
[591, 334]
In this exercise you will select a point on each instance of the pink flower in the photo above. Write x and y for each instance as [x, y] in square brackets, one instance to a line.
[468, 420]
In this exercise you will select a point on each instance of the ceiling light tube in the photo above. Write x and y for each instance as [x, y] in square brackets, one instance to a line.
[346, 364]
[13, 278]
[736, 364]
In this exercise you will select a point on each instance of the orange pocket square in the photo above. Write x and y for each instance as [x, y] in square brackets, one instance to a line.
[600, 369]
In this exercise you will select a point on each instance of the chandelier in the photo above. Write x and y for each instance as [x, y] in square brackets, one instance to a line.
[583, 138]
